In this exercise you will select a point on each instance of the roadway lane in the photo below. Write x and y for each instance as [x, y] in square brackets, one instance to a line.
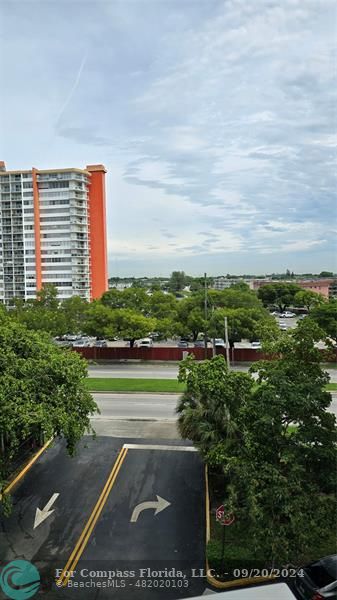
[158, 407]
[134, 371]
[159, 371]
[174, 539]
[136, 406]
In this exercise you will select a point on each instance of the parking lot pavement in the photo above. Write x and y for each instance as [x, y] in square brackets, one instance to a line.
[148, 555]
[95, 495]
[76, 480]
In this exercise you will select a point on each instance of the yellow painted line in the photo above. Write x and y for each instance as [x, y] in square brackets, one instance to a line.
[222, 585]
[88, 529]
[26, 468]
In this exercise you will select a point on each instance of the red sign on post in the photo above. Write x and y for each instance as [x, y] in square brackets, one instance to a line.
[224, 517]
[220, 511]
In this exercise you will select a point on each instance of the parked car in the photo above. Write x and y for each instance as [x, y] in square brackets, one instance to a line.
[256, 344]
[317, 580]
[101, 344]
[71, 337]
[272, 591]
[199, 344]
[183, 344]
[83, 342]
[219, 343]
[145, 343]
[287, 315]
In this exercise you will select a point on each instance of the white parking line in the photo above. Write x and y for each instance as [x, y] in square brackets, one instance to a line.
[159, 447]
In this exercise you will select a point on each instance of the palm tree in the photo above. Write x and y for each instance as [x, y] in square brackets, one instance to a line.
[209, 409]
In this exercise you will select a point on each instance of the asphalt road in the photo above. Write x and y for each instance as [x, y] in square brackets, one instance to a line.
[136, 406]
[159, 407]
[134, 371]
[97, 496]
[156, 371]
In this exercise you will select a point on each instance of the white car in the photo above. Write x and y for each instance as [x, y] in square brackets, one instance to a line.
[273, 591]
[145, 343]
[256, 344]
[288, 315]
[219, 343]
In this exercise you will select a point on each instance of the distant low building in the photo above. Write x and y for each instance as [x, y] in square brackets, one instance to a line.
[223, 283]
[120, 286]
[327, 287]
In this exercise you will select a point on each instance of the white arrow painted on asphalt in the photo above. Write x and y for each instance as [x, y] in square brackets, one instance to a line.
[41, 515]
[159, 504]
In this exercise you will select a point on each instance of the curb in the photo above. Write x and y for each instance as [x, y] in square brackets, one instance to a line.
[135, 392]
[223, 585]
[16, 478]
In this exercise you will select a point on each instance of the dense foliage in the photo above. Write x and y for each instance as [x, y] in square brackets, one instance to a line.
[274, 440]
[42, 391]
[281, 295]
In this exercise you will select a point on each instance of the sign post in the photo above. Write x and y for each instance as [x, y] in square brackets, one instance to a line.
[225, 519]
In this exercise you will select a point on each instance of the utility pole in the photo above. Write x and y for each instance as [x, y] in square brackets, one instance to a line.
[227, 344]
[213, 338]
[205, 313]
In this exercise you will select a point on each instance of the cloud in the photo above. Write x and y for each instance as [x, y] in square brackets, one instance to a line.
[216, 122]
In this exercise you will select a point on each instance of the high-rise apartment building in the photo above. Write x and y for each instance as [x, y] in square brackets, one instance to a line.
[53, 230]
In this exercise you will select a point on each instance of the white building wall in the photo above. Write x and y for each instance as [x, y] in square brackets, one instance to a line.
[64, 235]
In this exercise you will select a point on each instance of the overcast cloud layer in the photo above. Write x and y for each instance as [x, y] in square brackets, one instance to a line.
[215, 119]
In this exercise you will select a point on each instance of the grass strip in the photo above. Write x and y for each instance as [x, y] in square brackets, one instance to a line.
[102, 384]
[330, 387]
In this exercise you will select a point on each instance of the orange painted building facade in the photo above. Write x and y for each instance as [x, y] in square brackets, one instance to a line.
[97, 231]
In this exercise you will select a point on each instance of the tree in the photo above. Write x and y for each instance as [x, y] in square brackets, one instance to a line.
[134, 298]
[290, 471]
[42, 313]
[325, 315]
[130, 325]
[164, 308]
[191, 316]
[177, 281]
[326, 274]
[234, 297]
[209, 408]
[274, 440]
[99, 320]
[74, 311]
[279, 294]
[308, 299]
[40, 317]
[47, 297]
[42, 390]
[243, 323]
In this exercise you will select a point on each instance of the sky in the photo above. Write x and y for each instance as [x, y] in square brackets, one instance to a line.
[216, 121]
